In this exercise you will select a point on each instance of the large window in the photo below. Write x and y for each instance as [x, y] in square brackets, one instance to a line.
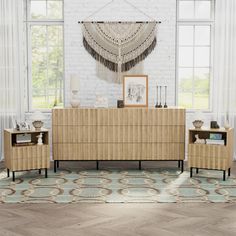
[45, 53]
[194, 46]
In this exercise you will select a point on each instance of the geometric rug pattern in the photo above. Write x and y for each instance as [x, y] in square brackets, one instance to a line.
[159, 185]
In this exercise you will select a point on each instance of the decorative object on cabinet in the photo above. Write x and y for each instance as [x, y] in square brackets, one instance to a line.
[226, 123]
[198, 124]
[210, 155]
[120, 104]
[157, 98]
[21, 125]
[37, 118]
[40, 139]
[199, 140]
[158, 105]
[101, 101]
[165, 105]
[137, 134]
[74, 87]
[26, 156]
[214, 125]
[135, 91]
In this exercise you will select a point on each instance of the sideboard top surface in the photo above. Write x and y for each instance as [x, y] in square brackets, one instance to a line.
[114, 108]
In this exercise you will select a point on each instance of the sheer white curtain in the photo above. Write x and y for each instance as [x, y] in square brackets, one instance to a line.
[225, 61]
[11, 64]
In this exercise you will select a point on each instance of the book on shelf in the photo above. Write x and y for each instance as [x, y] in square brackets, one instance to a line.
[215, 136]
[24, 144]
[215, 141]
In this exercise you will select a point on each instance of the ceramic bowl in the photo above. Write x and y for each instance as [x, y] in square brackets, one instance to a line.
[198, 124]
[38, 124]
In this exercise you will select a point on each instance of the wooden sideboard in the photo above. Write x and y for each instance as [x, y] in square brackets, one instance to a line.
[118, 134]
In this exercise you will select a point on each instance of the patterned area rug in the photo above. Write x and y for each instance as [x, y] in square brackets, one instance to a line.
[117, 186]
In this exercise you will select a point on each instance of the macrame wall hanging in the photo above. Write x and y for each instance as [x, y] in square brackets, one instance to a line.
[119, 47]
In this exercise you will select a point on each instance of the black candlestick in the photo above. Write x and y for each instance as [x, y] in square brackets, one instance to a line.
[165, 106]
[160, 106]
[157, 98]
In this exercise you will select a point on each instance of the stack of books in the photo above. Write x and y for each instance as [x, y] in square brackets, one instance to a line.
[215, 139]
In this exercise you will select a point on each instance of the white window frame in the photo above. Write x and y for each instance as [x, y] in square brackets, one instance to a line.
[196, 22]
[46, 22]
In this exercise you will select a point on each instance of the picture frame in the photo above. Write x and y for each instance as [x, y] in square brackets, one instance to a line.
[135, 90]
[20, 125]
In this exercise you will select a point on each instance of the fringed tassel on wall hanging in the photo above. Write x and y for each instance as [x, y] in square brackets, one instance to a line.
[119, 46]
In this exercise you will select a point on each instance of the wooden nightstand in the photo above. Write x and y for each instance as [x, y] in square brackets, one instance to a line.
[210, 156]
[26, 156]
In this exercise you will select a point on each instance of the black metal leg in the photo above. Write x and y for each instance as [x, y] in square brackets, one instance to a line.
[224, 175]
[40, 171]
[139, 165]
[13, 175]
[229, 172]
[55, 166]
[178, 164]
[46, 172]
[8, 173]
[97, 165]
[182, 166]
[196, 170]
[191, 172]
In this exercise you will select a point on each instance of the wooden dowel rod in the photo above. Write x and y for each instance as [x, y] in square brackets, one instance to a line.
[102, 22]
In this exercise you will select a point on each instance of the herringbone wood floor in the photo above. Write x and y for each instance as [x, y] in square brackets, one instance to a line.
[118, 219]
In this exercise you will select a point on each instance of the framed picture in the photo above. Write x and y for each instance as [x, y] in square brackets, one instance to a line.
[135, 90]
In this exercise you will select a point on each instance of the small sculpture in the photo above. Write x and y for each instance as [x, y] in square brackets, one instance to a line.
[40, 139]
[214, 125]
[199, 140]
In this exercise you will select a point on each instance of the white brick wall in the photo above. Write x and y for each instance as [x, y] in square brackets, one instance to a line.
[159, 65]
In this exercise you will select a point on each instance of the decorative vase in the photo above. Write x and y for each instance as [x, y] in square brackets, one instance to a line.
[226, 124]
[74, 99]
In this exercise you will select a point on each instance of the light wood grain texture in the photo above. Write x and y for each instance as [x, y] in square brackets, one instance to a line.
[135, 219]
[118, 134]
[26, 157]
[207, 156]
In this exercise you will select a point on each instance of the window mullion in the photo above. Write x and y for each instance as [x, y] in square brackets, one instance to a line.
[47, 53]
[193, 79]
